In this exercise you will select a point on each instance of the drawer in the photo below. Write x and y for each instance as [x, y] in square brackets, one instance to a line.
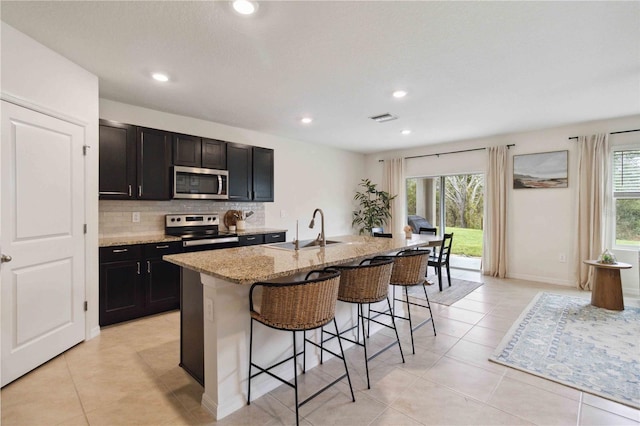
[118, 253]
[276, 237]
[160, 249]
[249, 240]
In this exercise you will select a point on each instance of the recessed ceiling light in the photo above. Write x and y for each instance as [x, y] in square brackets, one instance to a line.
[245, 7]
[306, 120]
[399, 94]
[160, 77]
[406, 132]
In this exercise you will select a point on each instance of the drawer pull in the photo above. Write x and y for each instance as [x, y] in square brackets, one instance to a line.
[162, 247]
[120, 250]
[275, 236]
[148, 267]
[138, 263]
[251, 238]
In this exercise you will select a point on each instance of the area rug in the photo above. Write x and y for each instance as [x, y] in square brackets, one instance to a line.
[566, 340]
[449, 295]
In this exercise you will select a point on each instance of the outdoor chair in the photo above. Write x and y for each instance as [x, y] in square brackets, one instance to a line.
[297, 306]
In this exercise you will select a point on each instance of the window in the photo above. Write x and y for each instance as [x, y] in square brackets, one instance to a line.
[626, 197]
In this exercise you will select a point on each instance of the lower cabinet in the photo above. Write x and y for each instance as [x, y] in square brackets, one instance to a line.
[135, 281]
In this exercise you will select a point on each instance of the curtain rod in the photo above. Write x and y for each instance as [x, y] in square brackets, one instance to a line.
[613, 133]
[445, 153]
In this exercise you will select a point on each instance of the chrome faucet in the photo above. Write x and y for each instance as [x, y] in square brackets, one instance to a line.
[321, 237]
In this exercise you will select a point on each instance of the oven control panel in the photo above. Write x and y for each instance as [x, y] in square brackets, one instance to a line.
[191, 220]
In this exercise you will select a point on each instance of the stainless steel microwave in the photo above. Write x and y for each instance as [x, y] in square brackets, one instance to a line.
[205, 184]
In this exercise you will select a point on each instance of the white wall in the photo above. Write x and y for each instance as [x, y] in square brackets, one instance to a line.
[38, 78]
[306, 176]
[539, 221]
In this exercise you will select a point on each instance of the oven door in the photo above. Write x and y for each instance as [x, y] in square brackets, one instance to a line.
[201, 244]
[193, 182]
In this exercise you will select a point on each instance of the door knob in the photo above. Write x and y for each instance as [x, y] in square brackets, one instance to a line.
[4, 258]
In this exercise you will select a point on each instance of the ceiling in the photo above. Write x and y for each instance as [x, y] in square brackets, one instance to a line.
[471, 69]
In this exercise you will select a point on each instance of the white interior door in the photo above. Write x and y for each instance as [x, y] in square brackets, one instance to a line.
[41, 229]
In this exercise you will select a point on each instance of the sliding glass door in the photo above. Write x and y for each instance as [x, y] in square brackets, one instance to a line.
[454, 204]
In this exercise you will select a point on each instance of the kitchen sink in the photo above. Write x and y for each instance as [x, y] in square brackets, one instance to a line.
[305, 244]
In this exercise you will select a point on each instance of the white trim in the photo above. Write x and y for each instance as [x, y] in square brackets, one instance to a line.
[16, 100]
[543, 280]
[94, 332]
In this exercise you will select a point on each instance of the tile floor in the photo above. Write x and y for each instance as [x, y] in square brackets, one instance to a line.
[130, 375]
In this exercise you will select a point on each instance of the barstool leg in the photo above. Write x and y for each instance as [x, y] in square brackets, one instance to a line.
[250, 362]
[344, 360]
[433, 323]
[406, 296]
[295, 377]
[364, 344]
[304, 351]
[393, 322]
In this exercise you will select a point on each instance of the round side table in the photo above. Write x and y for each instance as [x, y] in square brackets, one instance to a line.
[607, 287]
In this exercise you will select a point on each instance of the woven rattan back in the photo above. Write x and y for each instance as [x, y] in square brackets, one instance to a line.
[410, 267]
[302, 305]
[365, 283]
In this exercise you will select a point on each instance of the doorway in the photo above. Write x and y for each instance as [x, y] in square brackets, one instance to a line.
[461, 212]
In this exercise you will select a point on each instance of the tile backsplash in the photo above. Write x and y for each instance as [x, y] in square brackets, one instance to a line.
[116, 215]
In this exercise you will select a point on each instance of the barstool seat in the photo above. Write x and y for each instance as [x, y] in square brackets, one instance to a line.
[297, 306]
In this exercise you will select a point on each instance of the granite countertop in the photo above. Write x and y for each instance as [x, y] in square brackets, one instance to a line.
[124, 240]
[246, 265]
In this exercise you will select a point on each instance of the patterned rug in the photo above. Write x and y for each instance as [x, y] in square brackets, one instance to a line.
[449, 295]
[566, 340]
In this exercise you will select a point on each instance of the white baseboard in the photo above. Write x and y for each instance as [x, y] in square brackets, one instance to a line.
[544, 280]
[94, 332]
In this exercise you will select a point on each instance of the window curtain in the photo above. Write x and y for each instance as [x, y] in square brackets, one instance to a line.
[494, 254]
[593, 180]
[393, 182]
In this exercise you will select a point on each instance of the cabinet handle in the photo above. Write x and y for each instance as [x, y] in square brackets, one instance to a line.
[249, 194]
[129, 190]
[120, 250]
[148, 267]
[138, 263]
[275, 236]
[139, 190]
[162, 247]
[251, 238]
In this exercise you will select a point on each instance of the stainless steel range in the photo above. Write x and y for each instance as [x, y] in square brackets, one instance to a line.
[199, 231]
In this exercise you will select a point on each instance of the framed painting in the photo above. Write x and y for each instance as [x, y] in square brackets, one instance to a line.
[541, 170]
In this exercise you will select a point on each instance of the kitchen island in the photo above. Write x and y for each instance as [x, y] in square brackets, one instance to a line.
[223, 278]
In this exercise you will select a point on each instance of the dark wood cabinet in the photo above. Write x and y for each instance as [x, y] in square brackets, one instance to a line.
[251, 240]
[121, 290]
[214, 154]
[192, 151]
[117, 161]
[250, 173]
[262, 174]
[135, 281]
[240, 172]
[154, 164]
[162, 279]
[187, 151]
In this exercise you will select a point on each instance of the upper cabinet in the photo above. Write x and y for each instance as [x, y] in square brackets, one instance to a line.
[135, 162]
[117, 161]
[250, 173]
[154, 164]
[192, 151]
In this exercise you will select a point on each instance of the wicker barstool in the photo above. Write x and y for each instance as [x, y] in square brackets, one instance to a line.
[366, 283]
[297, 306]
[409, 269]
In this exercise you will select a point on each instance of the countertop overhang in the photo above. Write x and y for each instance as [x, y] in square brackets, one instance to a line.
[247, 265]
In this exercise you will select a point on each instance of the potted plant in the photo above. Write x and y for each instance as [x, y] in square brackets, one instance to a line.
[374, 207]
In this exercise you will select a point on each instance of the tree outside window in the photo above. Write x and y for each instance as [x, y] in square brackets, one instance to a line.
[626, 197]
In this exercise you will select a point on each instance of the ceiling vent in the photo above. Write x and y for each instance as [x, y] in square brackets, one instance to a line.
[383, 117]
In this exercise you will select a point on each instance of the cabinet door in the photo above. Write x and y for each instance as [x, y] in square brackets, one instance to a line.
[121, 291]
[154, 164]
[262, 174]
[214, 154]
[162, 286]
[117, 161]
[187, 150]
[240, 172]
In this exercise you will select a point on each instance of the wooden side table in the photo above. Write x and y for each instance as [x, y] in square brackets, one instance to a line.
[607, 287]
